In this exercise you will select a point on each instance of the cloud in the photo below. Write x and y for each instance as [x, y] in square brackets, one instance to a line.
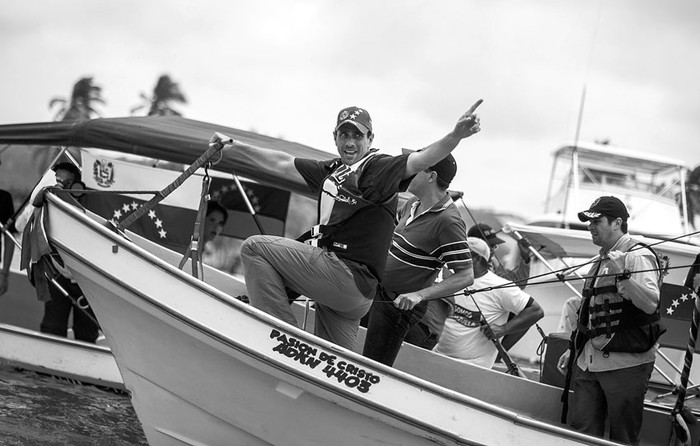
[284, 68]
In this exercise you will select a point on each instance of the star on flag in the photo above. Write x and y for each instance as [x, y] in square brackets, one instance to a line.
[130, 207]
[225, 189]
[676, 301]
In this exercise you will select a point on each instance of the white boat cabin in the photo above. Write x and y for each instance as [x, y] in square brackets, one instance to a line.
[651, 186]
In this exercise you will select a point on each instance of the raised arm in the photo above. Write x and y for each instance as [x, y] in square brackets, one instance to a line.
[467, 125]
[266, 160]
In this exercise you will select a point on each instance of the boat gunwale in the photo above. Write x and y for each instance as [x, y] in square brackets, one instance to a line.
[403, 377]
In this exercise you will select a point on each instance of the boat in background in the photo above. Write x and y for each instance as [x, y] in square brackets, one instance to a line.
[652, 187]
[58, 356]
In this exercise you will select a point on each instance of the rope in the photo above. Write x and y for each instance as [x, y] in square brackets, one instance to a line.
[467, 292]
[543, 282]
[159, 196]
[193, 250]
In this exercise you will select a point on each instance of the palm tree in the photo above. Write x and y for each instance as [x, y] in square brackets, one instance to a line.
[81, 105]
[165, 92]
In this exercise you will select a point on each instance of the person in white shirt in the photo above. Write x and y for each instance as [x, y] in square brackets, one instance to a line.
[464, 335]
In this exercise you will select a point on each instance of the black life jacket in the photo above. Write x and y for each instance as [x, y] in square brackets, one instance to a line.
[617, 325]
[348, 224]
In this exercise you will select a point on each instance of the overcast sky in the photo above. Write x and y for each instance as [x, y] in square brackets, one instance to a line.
[284, 68]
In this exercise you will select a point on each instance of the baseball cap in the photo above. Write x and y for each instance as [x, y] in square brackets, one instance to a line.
[359, 117]
[485, 232]
[70, 167]
[609, 206]
[480, 247]
[446, 168]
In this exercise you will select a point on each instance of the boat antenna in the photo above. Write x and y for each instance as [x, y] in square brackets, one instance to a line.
[573, 180]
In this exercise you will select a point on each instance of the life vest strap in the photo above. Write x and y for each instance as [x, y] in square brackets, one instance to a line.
[623, 324]
[589, 292]
[322, 236]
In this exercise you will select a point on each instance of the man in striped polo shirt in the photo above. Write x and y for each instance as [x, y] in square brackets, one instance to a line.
[430, 234]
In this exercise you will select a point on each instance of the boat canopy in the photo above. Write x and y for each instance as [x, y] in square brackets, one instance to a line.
[651, 186]
[170, 138]
[619, 157]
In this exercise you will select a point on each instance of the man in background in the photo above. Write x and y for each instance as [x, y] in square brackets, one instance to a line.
[476, 317]
[7, 210]
[614, 346]
[65, 296]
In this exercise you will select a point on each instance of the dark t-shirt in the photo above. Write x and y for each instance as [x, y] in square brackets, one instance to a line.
[368, 231]
[7, 210]
[7, 207]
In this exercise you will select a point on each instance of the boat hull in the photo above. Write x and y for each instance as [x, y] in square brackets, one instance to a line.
[53, 355]
[204, 368]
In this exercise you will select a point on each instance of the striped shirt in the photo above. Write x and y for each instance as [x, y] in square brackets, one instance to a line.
[423, 244]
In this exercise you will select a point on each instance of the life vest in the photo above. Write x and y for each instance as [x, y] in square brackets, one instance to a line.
[616, 324]
[350, 225]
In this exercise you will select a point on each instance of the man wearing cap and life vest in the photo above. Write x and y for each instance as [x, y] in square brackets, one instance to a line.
[614, 345]
[430, 235]
[343, 260]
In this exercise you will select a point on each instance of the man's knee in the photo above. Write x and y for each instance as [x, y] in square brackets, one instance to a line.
[249, 246]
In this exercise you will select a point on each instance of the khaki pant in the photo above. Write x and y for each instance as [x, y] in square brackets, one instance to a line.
[272, 264]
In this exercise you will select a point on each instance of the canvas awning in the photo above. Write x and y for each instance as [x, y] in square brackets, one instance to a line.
[173, 139]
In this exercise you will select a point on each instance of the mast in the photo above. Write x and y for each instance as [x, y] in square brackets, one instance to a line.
[684, 200]
[573, 183]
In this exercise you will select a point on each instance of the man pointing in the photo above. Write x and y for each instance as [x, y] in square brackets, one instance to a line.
[342, 262]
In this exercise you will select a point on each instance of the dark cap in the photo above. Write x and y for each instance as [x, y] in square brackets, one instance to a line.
[70, 167]
[485, 232]
[359, 117]
[608, 206]
[446, 168]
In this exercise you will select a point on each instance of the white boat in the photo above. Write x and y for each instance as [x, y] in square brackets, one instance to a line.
[169, 139]
[22, 345]
[169, 330]
[653, 187]
[205, 368]
[57, 356]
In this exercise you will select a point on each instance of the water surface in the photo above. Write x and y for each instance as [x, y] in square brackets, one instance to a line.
[42, 410]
